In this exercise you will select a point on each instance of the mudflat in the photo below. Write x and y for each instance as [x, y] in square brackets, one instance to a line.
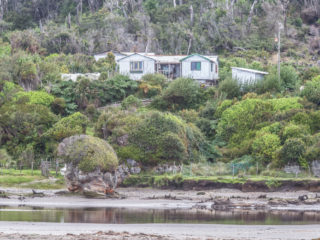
[162, 199]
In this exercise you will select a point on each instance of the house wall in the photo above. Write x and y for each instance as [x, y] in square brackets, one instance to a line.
[148, 66]
[245, 77]
[204, 74]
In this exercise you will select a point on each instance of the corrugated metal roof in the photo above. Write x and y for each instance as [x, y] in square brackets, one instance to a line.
[250, 70]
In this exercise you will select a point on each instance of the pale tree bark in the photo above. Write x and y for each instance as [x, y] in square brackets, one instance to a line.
[180, 2]
[191, 15]
[249, 21]
[190, 44]
[69, 20]
[79, 11]
[285, 6]
[3, 7]
[174, 3]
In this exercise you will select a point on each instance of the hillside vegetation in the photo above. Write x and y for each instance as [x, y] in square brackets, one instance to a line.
[225, 129]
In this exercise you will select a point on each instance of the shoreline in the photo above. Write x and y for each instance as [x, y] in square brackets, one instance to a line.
[145, 198]
[157, 231]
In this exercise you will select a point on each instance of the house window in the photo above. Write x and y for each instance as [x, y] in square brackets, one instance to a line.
[195, 66]
[136, 67]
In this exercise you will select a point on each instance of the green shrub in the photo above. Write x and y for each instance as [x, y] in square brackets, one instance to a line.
[230, 88]
[58, 106]
[37, 97]
[265, 146]
[182, 93]
[295, 131]
[130, 102]
[312, 90]
[68, 126]
[289, 77]
[88, 153]
[292, 150]
[156, 135]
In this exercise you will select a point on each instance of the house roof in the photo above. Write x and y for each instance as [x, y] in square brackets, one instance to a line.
[168, 58]
[208, 58]
[250, 70]
[135, 54]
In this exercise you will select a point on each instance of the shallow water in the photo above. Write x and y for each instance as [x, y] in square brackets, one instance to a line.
[130, 216]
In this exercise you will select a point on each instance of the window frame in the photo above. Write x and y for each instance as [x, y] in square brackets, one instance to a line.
[139, 69]
[196, 66]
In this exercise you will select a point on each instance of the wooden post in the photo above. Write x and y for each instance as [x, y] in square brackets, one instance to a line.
[57, 167]
[233, 170]
[279, 52]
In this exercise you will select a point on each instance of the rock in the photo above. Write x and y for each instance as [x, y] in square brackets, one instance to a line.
[166, 168]
[263, 196]
[91, 165]
[123, 140]
[311, 201]
[316, 167]
[309, 15]
[277, 202]
[221, 204]
[303, 197]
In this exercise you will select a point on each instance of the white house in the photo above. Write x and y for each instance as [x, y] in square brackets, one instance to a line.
[136, 65]
[202, 68]
[247, 76]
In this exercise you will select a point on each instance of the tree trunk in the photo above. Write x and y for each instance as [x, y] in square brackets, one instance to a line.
[69, 20]
[180, 2]
[250, 16]
[191, 15]
[190, 44]
[79, 11]
[174, 3]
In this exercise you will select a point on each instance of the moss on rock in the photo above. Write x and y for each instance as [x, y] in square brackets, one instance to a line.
[88, 153]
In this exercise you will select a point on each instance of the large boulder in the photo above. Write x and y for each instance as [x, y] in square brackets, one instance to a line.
[91, 164]
[309, 15]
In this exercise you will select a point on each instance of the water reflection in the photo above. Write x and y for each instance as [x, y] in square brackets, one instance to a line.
[126, 216]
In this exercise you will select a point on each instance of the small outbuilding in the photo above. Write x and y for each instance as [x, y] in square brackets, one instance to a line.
[247, 76]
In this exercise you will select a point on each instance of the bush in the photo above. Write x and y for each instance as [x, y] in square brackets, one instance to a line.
[289, 77]
[130, 102]
[312, 90]
[295, 131]
[68, 126]
[37, 97]
[88, 153]
[58, 106]
[292, 150]
[265, 146]
[151, 137]
[182, 93]
[152, 85]
[230, 88]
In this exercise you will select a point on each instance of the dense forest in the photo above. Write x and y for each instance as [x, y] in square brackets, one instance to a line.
[272, 122]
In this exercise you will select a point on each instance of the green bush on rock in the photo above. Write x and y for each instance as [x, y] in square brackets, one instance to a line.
[88, 153]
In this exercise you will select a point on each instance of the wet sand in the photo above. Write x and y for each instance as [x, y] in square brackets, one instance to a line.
[52, 231]
[157, 199]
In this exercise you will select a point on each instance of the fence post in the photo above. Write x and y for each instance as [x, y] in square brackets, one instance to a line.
[32, 168]
[257, 168]
[232, 170]
[57, 167]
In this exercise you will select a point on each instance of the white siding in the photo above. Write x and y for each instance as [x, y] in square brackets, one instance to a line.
[124, 66]
[204, 74]
[246, 77]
